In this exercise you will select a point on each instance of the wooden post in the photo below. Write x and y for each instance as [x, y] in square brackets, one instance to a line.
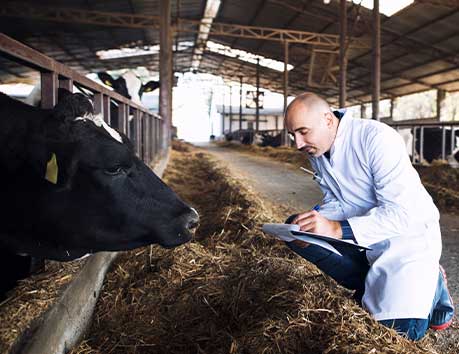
[98, 103]
[231, 110]
[441, 95]
[66, 84]
[285, 136]
[106, 103]
[122, 118]
[363, 111]
[240, 103]
[165, 70]
[342, 53]
[376, 59]
[48, 90]
[392, 104]
[223, 112]
[257, 100]
[137, 133]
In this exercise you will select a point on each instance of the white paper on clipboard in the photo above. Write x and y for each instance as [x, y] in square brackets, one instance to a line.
[291, 232]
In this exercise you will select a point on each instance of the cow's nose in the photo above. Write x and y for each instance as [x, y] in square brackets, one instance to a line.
[192, 219]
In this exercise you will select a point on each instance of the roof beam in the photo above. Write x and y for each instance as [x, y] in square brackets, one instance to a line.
[111, 19]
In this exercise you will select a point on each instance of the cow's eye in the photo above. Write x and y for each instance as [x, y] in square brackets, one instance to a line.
[113, 171]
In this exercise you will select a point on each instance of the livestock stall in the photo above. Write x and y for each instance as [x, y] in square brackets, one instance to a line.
[68, 312]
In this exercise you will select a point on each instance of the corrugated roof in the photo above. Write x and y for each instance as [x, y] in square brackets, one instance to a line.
[419, 44]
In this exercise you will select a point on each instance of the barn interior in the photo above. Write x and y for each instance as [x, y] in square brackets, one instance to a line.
[352, 53]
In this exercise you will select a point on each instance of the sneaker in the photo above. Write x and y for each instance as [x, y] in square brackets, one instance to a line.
[443, 311]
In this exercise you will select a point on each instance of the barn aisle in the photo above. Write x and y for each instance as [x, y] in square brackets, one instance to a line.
[292, 189]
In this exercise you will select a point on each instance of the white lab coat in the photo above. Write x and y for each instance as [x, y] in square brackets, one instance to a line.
[370, 181]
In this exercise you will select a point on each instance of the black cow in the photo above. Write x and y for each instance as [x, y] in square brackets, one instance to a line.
[72, 186]
[128, 85]
[269, 140]
[432, 147]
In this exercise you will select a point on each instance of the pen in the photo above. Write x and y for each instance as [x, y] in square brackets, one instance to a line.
[314, 175]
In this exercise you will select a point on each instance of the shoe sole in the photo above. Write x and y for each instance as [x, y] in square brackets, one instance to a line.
[445, 325]
[442, 326]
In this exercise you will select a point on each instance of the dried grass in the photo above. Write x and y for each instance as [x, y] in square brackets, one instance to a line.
[31, 298]
[232, 290]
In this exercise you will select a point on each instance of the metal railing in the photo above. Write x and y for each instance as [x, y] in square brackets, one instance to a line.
[145, 129]
[414, 126]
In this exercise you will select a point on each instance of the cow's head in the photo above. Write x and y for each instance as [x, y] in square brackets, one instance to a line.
[128, 85]
[81, 189]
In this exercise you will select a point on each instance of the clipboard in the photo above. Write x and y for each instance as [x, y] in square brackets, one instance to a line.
[291, 232]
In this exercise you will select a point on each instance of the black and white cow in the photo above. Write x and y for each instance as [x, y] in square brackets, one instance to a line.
[71, 185]
[432, 144]
[128, 85]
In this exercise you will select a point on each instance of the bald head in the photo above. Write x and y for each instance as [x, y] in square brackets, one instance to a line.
[308, 101]
[312, 123]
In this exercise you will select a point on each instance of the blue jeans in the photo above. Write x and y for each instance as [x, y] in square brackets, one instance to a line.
[350, 271]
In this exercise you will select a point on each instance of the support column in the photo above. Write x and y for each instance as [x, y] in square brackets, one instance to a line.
[363, 111]
[342, 53]
[49, 86]
[285, 134]
[441, 95]
[240, 103]
[66, 83]
[392, 104]
[165, 70]
[223, 111]
[231, 110]
[257, 112]
[376, 59]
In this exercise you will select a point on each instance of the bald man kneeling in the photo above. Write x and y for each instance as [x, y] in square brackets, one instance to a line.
[374, 197]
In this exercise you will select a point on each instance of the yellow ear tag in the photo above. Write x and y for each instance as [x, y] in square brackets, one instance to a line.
[51, 169]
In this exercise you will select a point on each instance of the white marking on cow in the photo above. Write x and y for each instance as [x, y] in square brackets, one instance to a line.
[133, 85]
[99, 121]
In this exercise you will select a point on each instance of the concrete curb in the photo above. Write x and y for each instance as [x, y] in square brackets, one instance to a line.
[63, 326]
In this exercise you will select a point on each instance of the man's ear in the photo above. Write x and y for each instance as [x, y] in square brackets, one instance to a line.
[106, 78]
[329, 119]
[149, 87]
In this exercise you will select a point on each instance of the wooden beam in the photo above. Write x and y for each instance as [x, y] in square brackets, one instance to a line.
[165, 70]
[113, 19]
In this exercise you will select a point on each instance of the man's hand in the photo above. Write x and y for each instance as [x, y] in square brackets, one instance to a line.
[312, 221]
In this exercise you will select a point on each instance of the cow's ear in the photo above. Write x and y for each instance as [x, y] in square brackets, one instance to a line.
[61, 164]
[52, 169]
[71, 106]
[106, 78]
[149, 87]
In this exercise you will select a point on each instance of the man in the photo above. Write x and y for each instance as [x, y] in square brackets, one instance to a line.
[374, 197]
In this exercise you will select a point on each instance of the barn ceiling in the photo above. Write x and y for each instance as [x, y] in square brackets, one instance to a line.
[419, 44]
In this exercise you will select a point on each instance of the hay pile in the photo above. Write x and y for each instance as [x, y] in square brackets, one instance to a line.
[21, 310]
[440, 179]
[232, 290]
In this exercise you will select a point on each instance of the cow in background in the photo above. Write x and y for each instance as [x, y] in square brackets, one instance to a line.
[432, 146]
[128, 85]
[71, 185]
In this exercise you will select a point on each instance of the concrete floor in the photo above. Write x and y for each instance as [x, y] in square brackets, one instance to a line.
[295, 191]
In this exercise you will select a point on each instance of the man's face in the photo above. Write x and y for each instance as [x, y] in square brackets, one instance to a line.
[312, 131]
